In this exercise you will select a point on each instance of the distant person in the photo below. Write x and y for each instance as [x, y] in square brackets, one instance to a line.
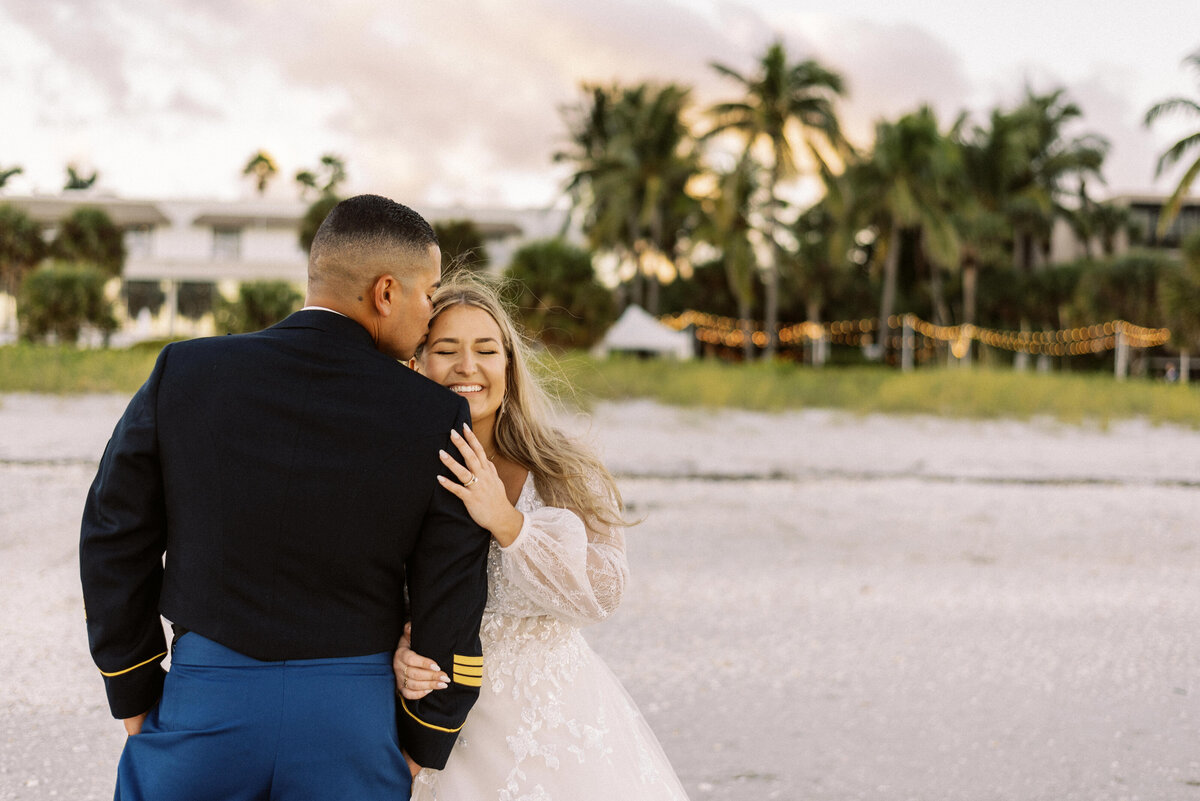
[1172, 374]
[552, 722]
[289, 476]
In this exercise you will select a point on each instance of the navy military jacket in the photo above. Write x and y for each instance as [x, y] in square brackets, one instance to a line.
[289, 477]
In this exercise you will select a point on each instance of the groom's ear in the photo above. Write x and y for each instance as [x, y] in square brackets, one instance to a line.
[385, 293]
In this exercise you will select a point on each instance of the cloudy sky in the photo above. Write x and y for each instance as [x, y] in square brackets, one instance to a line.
[458, 101]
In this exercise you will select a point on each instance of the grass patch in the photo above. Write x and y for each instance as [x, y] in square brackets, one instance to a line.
[974, 394]
[67, 371]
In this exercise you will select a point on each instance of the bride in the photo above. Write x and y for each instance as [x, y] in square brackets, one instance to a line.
[552, 722]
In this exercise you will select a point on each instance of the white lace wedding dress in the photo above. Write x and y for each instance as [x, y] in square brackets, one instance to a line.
[552, 722]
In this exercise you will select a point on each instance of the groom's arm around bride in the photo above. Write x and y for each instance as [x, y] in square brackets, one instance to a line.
[288, 477]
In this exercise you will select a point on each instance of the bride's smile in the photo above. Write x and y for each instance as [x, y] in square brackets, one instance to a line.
[464, 353]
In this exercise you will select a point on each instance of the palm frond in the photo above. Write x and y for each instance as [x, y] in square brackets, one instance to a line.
[1175, 202]
[1171, 105]
[1176, 152]
[729, 72]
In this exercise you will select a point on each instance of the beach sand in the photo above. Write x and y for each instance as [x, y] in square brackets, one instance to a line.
[823, 606]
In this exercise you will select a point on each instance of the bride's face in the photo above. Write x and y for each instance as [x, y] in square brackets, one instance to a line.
[465, 352]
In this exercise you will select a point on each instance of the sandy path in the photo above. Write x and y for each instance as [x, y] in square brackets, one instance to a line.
[824, 607]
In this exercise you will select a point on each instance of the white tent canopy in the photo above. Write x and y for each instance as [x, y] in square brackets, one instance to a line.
[637, 331]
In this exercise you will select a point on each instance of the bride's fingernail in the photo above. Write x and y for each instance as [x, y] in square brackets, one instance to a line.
[434, 667]
[441, 685]
[442, 479]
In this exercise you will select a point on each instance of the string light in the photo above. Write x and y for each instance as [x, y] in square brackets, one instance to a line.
[1090, 339]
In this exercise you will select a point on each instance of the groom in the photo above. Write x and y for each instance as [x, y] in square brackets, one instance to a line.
[289, 477]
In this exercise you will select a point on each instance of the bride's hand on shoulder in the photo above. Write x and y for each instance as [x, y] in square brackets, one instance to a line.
[481, 488]
[416, 676]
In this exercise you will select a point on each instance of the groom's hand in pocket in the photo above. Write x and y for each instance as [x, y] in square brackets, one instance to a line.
[133, 725]
[413, 767]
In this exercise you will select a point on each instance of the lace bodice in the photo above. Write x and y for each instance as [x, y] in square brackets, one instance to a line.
[557, 566]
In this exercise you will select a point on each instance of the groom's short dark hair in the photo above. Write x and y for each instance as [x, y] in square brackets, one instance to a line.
[363, 218]
[360, 224]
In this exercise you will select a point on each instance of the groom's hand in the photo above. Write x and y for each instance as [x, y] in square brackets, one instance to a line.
[133, 725]
[413, 767]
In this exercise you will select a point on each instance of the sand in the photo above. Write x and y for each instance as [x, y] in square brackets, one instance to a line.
[823, 606]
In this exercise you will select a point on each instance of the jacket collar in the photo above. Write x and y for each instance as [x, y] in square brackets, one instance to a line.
[330, 322]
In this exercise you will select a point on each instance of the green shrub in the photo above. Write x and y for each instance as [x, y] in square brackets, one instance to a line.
[21, 247]
[260, 304]
[560, 301]
[58, 299]
[89, 235]
[462, 245]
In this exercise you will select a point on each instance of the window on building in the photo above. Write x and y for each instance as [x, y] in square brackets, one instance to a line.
[227, 244]
[1144, 217]
[141, 295]
[138, 241]
[196, 298]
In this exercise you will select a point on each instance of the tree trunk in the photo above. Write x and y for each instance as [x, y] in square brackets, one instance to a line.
[1021, 359]
[970, 289]
[937, 293]
[891, 265]
[812, 311]
[655, 281]
[747, 333]
[637, 284]
[771, 310]
[771, 279]
[652, 294]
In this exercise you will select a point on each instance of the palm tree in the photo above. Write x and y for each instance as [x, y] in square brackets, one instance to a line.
[908, 188]
[726, 224]
[633, 156]
[1056, 171]
[6, 173]
[782, 102]
[77, 180]
[262, 168]
[325, 179]
[821, 266]
[1177, 151]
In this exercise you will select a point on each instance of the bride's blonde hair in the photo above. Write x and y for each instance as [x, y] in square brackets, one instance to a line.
[566, 473]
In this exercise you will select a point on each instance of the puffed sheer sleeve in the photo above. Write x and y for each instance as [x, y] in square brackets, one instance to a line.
[569, 570]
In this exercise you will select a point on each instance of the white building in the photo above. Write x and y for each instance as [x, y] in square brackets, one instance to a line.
[1142, 230]
[181, 252]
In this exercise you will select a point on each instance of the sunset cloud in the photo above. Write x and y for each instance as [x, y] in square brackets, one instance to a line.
[452, 101]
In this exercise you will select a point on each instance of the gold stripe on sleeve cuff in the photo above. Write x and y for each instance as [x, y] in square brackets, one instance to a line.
[459, 670]
[468, 681]
[135, 667]
[423, 723]
[468, 661]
